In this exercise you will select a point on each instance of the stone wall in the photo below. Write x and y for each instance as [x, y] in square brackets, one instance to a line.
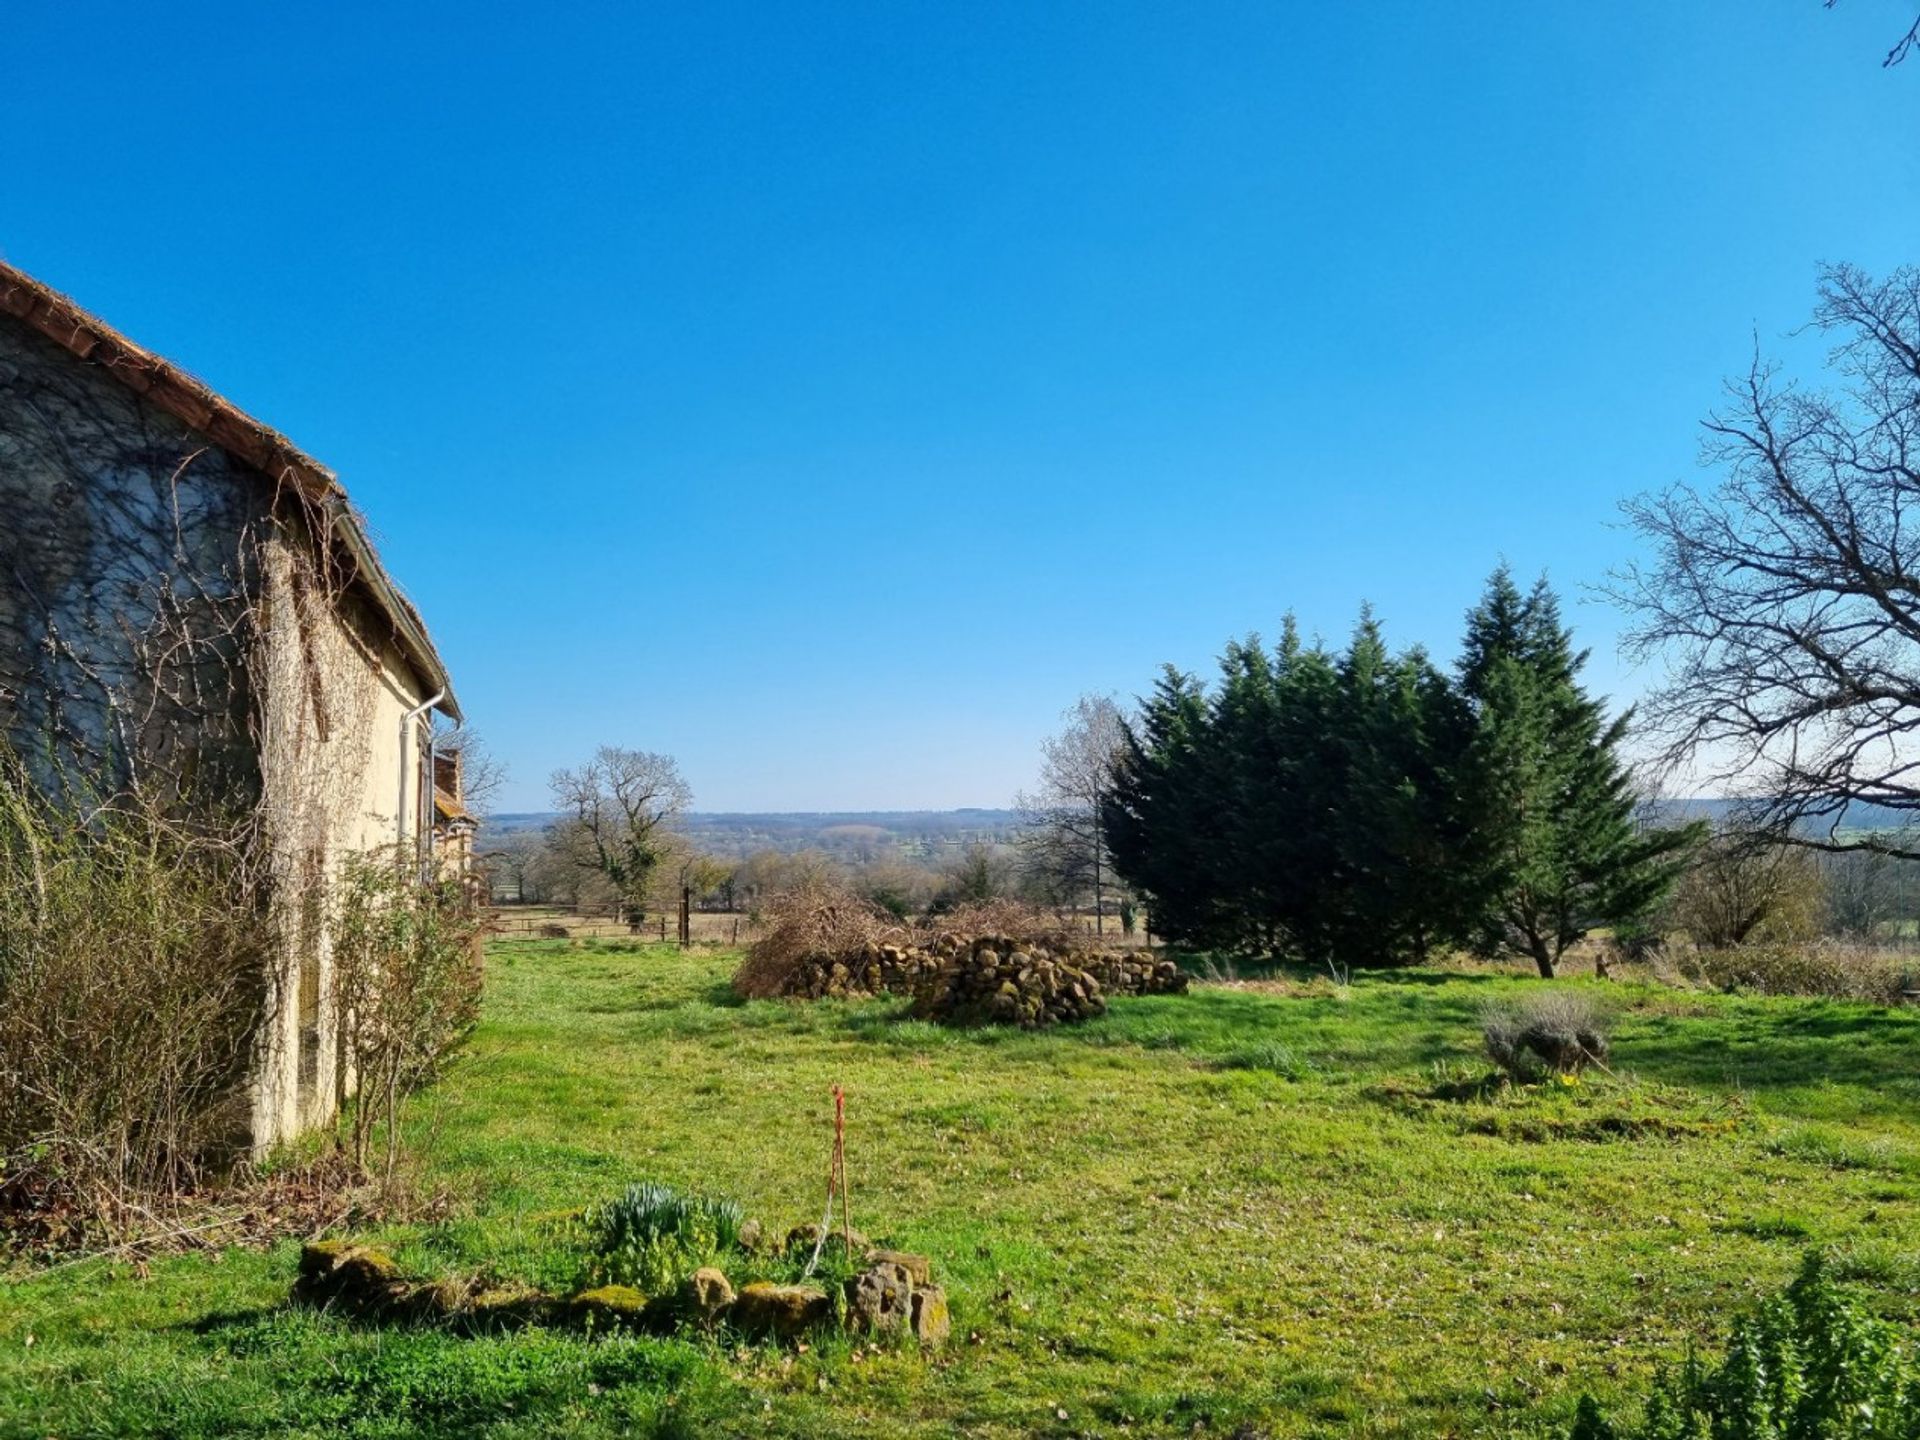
[169, 617]
[989, 979]
[123, 619]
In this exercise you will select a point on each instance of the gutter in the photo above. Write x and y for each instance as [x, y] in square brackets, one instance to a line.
[407, 626]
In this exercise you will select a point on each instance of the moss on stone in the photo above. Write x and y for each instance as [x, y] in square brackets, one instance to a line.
[784, 1311]
[608, 1305]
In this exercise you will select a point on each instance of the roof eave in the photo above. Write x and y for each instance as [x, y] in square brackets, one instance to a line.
[208, 413]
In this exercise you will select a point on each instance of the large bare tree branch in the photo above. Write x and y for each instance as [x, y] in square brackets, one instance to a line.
[1903, 47]
[1784, 599]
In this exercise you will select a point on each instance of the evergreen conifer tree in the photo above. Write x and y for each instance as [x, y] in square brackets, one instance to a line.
[1162, 816]
[1548, 792]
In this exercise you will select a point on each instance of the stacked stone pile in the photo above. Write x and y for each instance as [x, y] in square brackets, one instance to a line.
[871, 970]
[1134, 974]
[994, 982]
[973, 968]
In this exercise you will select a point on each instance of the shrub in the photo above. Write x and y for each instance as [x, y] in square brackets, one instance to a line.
[1742, 886]
[406, 975]
[654, 1235]
[1014, 920]
[1813, 1364]
[1555, 1031]
[1839, 971]
[132, 954]
[815, 920]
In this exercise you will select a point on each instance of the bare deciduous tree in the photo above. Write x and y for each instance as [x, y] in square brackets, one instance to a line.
[1785, 599]
[1903, 47]
[615, 809]
[1740, 885]
[482, 773]
[1064, 842]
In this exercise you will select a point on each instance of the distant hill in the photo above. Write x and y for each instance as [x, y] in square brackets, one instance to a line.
[864, 833]
[1857, 817]
[869, 834]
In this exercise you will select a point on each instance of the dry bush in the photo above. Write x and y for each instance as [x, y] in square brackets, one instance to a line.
[820, 919]
[1741, 888]
[1843, 972]
[406, 975]
[132, 950]
[1557, 1031]
[1012, 919]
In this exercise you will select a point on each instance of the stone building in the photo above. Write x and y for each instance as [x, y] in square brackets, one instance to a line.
[189, 602]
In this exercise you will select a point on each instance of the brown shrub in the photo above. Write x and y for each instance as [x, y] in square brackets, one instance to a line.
[1842, 972]
[132, 951]
[819, 920]
[407, 975]
[1012, 919]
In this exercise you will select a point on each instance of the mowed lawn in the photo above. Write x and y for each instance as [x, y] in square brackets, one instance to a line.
[1280, 1209]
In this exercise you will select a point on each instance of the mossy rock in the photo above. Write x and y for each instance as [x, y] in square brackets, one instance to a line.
[706, 1297]
[508, 1307]
[331, 1259]
[918, 1267]
[358, 1277]
[608, 1307]
[785, 1312]
[877, 1300]
[928, 1317]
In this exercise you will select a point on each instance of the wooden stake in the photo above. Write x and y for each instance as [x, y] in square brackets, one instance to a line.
[840, 1165]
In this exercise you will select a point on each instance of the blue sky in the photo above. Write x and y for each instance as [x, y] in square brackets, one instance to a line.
[826, 396]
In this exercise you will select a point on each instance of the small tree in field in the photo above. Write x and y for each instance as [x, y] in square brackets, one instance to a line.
[980, 874]
[615, 812]
[1741, 885]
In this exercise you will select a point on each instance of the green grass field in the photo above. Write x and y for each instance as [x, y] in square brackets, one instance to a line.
[1276, 1210]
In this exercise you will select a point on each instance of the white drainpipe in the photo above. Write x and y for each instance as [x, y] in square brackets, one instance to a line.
[406, 746]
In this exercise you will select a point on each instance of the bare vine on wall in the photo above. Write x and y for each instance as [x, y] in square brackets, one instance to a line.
[183, 656]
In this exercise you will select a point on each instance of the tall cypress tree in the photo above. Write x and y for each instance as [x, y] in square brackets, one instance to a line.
[1400, 831]
[1308, 805]
[1548, 791]
[1162, 815]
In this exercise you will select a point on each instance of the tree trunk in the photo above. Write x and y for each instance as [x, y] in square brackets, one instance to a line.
[393, 1118]
[1099, 900]
[1543, 956]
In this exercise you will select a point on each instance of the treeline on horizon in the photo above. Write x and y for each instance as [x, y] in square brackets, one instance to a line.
[1364, 807]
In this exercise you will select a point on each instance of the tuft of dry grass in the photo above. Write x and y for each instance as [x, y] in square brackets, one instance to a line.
[1559, 1031]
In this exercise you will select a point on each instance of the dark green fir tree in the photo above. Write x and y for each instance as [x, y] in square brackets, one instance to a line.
[1566, 850]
